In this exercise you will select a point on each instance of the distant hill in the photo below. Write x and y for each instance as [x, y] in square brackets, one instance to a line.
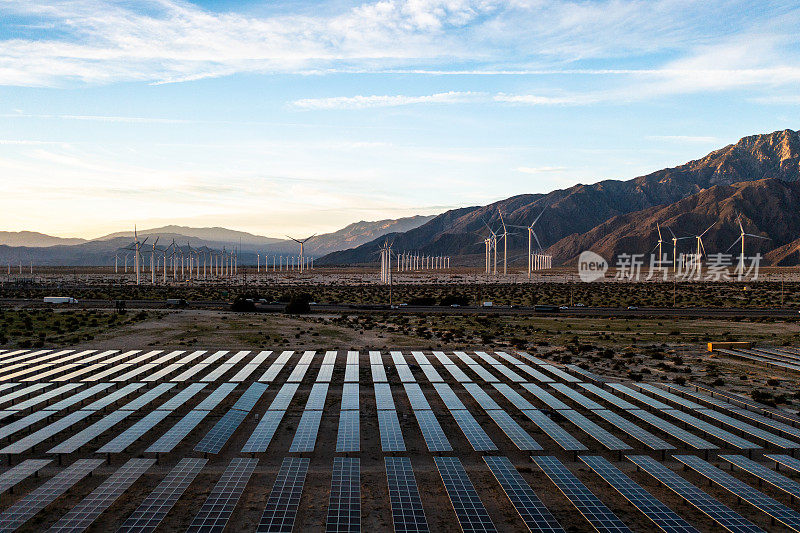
[101, 251]
[33, 238]
[579, 209]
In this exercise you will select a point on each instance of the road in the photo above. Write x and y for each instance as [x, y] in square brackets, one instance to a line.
[642, 312]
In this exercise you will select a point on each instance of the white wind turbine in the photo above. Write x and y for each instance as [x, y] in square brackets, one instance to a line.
[531, 233]
[742, 235]
[136, 247]
[492, 249]
[504, 236]
[701, 249]
[302, 243]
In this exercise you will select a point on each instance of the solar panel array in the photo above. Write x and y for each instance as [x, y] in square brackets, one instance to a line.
[69, 407]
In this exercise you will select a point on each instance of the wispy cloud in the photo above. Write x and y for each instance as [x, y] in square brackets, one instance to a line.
[540, 170]
[364, 102]
[684, 139]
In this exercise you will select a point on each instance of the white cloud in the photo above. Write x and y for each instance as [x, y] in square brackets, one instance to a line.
[364, 102]
[540, 170]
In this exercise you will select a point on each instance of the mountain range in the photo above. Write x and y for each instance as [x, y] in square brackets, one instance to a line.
[44, 249]
[755, 178]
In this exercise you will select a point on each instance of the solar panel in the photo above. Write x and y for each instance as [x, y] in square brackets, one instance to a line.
[613, 399]
[397, 358]
[250, 397]
[448, 396]
[147, 397]
[182, 397]
[473, 431]
[307, 358]
[284, 499]
[6, 386]
[458, 374]
[306, 435]
[298, 373]
[789, 486]
[108, 372]
[216, 438]
[538, 376]
[29, 441]
[352, 358]
[512, 396]
[432, 432]
[785, 460]
[416, 397]
[484, 374]
[218, 372]
[710, 429]
[44, 397]
[214, 399]
[589, 505]
[643, 436]
[671, 429]
[80, 439]
[782, 427]
[284, 397]
[158, 503]
[405, 373]
[316, 399]
[157, 375]
[554, 431]
[661, 515]
[638, 396]
[530, 508]
[545, 397]
[443, 358]
[261, 437]
[330, 358]
[576, 396]
[132, 434]
[92, 506]
[344, 509]
[407, 512]
[674, 398]
[466, 359]
[79, 397]
[585, 373]
[350, 396]
[420, 358]
[569, 378]
[391, 435]
[12, 476]
[749, 428]
[716, 511]
[383, 397]
[481, 396]
[251, 367]
[431, 374]
[467, 504]
[764, 503]
[514, 431]
[174, 435]
[510, 374]
[325, 373]
[348, 438]
[23, 392]
[219, 505]
[30, 504]
[609, 441]
[351, 373]
[114, 397]
[23, 423]
[378, 373]
[274, 369]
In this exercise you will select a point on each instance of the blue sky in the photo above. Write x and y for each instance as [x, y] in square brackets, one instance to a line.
[301, 117]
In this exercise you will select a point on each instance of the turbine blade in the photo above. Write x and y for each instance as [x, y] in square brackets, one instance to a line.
[708, 228]
[734, 244]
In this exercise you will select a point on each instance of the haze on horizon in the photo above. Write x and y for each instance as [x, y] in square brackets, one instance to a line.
[301, 117]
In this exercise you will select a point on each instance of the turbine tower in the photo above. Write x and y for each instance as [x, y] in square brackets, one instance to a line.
[302, 243]
[742, 235]
[701, 249]
[532, 234]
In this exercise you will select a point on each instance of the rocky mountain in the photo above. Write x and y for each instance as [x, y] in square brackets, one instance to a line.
[101, 251]
[33, 238]
[581, 208]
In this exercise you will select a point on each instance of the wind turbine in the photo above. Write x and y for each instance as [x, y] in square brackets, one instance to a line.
[492, 247]
[701, 249]
[153, 262]
[302, 243]
[531, 233]
[136, 246]
[504, 236]
[660, 241]
[742, 235]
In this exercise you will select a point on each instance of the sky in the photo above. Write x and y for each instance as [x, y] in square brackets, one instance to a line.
[299, 117]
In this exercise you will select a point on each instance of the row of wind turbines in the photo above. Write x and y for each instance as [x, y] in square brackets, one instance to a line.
[537, 259]
[694, 260]
[197, 263]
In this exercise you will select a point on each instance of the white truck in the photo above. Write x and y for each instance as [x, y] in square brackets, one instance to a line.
[60, 300]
